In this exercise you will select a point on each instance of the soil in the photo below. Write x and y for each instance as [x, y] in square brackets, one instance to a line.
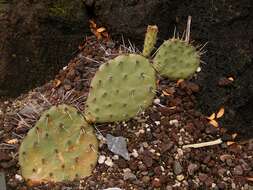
[155, 138]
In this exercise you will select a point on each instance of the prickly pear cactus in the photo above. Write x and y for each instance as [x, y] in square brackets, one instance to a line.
[176, 59]
[150, 40]
[61, 146]
[120, 89]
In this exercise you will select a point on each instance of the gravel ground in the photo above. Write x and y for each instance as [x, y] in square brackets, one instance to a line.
[155, 138]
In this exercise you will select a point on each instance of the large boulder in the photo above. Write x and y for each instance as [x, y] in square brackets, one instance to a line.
[227, 27]
[36, 39]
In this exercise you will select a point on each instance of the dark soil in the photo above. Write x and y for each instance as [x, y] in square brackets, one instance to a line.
[155, 137]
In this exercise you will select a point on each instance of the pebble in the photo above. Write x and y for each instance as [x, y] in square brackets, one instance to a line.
[177, 168]
[128, 175]
[238, 170]
[174, 122]
[148, 161]
[145, 179]
[115, 157]
[19, 178]
[157, 123]
[156, 183]
[109, 162]
[145, 144]
[135, 153]
[157, 101]
[180, 177]
[101, 159]
[192, 168]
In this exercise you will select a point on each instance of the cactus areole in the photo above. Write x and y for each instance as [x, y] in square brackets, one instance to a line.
[61, 146]
[121, 88]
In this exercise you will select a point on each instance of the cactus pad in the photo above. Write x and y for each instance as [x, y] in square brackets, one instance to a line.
[176, 59]
[120, 89]
[150, 40]
[61, 146]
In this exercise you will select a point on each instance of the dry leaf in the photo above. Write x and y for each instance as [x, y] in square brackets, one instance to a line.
[214, 123]
[211, 117]
[12, 141]
[179, 81]
[101, 29]
[57, 83]
[220, 113]
[234, 135]
[230, 143]
[166, 93]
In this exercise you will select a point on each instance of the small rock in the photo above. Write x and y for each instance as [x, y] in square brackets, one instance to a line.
[19, 178]
[146, 179]
[238, 170]
[174, 122]
[203, 177]
[135, 153]
[180, 177]
[148, 161]
[157, 101]
[101, 159]
[156, 183]
[115, 157]
[118, 146]
[177, 168]
[128, 175]
[166, 146]
[192, 168]
[109, 162]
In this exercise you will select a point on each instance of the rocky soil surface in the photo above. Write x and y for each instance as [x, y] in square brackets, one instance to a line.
[155, 138]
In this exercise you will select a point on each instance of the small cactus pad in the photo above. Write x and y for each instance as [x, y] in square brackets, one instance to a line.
[150, 40]
[61, 146]
[120, 89]
[176, 59]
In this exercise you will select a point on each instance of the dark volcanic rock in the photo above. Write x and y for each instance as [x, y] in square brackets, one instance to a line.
[36, 39]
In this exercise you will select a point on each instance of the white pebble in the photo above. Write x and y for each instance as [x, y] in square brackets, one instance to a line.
[109, 162]
[174, 122]
[198, 69]
[115, 157]
[101, 159]
[135, 153]
[18, 177]
[157, 101]
[157, 122]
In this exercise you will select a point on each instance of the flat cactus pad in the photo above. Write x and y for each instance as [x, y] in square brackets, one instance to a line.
[120, 89]
[176, 59]
[61, 146]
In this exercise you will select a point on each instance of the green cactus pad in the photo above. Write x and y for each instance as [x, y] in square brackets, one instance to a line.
[176, 59]
[61, 146]
[121, 88]
[150, 40]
